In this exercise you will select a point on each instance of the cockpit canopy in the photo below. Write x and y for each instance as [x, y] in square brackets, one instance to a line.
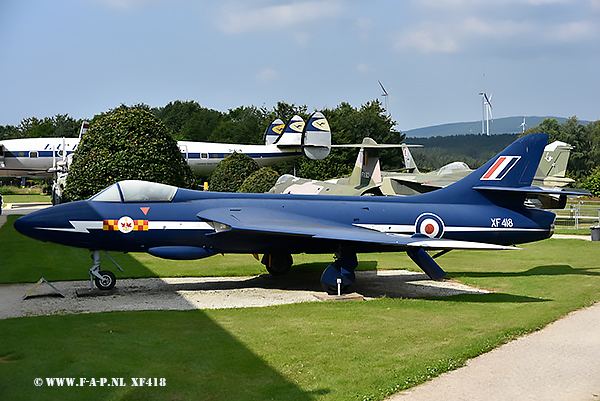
[452, 167]
[136, 191]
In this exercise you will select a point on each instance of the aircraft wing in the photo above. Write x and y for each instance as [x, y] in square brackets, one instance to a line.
[255, 221]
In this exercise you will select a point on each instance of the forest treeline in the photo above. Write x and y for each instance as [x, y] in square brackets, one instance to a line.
[188, 120]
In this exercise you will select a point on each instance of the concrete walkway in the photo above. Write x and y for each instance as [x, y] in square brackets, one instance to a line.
[560, 362]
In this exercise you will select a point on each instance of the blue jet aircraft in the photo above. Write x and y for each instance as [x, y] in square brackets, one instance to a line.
[485, 210]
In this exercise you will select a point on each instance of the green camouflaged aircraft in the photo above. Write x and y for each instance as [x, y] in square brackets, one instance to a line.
[368, 179]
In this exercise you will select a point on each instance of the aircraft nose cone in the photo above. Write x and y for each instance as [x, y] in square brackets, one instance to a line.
[47, 224]
[23, 225]
[30, 224]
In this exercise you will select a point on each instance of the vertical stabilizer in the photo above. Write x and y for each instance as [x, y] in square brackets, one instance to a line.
[506, 178]
[367, 170]
[409, 162]
[84, 128]
[316, 138]
[554, 160]
[292, 133]
[273, 132]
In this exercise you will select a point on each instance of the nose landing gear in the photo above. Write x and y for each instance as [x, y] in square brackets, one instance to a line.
[105, 280]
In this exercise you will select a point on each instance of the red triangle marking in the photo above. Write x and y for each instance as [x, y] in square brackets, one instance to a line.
[144, 210]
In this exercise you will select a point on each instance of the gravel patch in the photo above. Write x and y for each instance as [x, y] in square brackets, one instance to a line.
[212, 293]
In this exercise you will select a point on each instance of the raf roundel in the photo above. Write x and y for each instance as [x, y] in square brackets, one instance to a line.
[430, 225]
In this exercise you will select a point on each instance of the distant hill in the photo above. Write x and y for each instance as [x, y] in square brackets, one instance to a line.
[504, 125]
[473, 149]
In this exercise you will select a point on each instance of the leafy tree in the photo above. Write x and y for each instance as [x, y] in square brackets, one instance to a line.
[188, 120]
[592, 182]
[126, 144]
[9, 132]
[260, 181]
[58, 126]
[231, 172]
[579, 136]
[241, 125]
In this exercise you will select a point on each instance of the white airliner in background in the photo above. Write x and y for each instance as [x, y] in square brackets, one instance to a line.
[45, 157]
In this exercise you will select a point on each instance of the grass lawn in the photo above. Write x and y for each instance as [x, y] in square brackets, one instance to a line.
[26, 198]
[315, 351]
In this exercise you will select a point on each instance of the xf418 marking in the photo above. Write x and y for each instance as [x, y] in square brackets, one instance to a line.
[505, 222]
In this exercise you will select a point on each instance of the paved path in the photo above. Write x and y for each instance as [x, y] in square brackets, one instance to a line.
[560, 362]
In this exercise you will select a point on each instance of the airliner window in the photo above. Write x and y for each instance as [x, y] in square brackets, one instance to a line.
[110, 194]
[144, 191]
[33, 155]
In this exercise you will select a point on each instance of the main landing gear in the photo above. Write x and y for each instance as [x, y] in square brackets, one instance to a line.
[340, 274]
[277, 264]
[104, 279]
[336, 277]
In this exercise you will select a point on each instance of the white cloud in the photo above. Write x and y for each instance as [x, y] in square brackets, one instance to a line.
[267, 75]
[573, 31]
[428, 38]
[237, 18]
[362, 68]
[473, 33]
[127, 5]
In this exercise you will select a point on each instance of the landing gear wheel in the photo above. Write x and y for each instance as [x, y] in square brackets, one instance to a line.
[108, 280]
[277, 264]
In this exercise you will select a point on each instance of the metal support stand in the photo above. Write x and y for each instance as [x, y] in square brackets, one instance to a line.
[40, 281]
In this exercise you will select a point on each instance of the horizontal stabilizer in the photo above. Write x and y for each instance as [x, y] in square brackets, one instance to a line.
[316, 138]
[369, 143]
[534, 190]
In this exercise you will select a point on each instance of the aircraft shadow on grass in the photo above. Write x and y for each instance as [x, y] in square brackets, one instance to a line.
[547, 270]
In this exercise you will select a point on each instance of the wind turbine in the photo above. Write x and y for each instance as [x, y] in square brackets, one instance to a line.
[385, 95]
[523, 125]
[486, 105]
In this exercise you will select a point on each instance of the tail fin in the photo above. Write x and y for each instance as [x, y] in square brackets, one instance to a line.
[409, 162]
[84, 128]
[316, 137]
[273, 132]
[554, 161]
[506, 178]
[292, 133]
[367, 170]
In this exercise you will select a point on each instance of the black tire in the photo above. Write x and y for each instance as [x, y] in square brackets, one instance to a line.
[108, 280]
[278, 264]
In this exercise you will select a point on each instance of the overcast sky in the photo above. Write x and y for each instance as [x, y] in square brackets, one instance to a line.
[83, 57]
